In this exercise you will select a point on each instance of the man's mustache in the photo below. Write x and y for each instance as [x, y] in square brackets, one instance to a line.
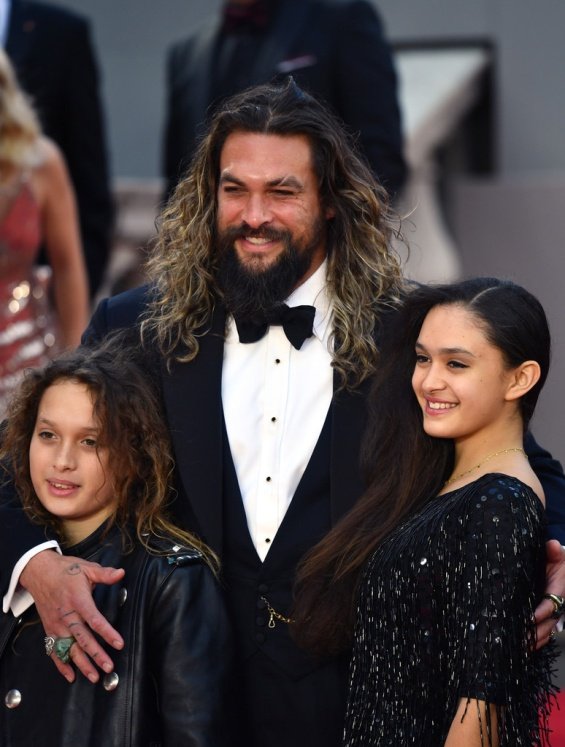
[244, 231]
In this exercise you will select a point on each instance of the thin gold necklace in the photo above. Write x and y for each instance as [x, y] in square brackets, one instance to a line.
[480, 464]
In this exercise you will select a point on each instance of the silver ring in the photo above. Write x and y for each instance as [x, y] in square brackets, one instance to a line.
[49, 644]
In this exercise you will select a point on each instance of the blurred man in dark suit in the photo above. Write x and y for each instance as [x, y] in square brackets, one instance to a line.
[52, 52]
[334, 49]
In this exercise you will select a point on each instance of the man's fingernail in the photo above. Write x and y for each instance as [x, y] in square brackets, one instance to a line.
[93, 677]
[107, 668]
[117, 643]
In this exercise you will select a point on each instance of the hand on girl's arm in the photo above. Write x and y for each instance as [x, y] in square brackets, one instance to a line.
[61, 587]
[555, 584]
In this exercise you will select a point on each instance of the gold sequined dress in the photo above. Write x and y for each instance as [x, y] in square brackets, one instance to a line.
[28, 335]
[445, 612]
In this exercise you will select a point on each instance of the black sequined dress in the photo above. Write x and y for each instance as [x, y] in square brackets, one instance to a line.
[444, 613]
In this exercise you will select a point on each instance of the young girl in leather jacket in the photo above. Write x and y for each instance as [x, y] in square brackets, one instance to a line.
[89, 452]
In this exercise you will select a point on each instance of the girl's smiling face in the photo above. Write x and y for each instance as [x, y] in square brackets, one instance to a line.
[461, 380]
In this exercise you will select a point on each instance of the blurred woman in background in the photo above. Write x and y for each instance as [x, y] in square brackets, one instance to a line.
[41, 311]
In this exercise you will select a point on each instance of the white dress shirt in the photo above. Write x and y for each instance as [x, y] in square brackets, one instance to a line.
[275, 401]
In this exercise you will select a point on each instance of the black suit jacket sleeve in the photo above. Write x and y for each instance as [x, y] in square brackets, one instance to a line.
[366, 91]
[550, 473]
[17, 533]
[117, 313]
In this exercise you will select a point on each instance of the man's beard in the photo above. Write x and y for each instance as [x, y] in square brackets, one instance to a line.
[250, 292]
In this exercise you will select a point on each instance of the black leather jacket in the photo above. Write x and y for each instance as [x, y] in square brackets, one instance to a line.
[169, 684]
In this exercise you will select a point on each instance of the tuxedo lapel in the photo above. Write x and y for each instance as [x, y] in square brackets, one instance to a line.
[193, 399]
[287, 25]
[349, 413]
[348, 427]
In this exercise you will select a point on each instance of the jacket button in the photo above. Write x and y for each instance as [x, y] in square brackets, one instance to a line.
[13, 699]
[122, 596]
[263, 588]
[110, 681]
[260, 637]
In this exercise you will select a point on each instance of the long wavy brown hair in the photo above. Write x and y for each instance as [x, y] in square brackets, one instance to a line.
[363, 272]
[132, 429]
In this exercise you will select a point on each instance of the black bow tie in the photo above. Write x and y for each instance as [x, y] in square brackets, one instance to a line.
[296, 321]
[238, 18]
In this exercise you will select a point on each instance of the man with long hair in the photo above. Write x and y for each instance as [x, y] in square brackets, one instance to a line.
[269, 285]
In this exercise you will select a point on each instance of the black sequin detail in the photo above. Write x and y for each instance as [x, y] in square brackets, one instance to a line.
[445, 612]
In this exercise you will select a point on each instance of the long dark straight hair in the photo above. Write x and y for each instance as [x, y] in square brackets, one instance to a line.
[404, 468]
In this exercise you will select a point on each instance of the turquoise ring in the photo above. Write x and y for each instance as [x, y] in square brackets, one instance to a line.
[62, 648]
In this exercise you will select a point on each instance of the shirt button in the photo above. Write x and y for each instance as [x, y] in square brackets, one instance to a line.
[273, 420]
[263, 588]
[277, 360]
[268, 479]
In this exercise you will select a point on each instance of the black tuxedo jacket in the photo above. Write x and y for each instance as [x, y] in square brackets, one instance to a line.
[192, 398]
[334, 49]
[52, 53]
[205, 503]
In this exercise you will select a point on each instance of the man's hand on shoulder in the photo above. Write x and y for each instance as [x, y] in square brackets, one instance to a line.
[61, 587]
[555, 584]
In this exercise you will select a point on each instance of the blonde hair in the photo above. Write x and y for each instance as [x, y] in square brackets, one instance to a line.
[19, 126]
[364, 274]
